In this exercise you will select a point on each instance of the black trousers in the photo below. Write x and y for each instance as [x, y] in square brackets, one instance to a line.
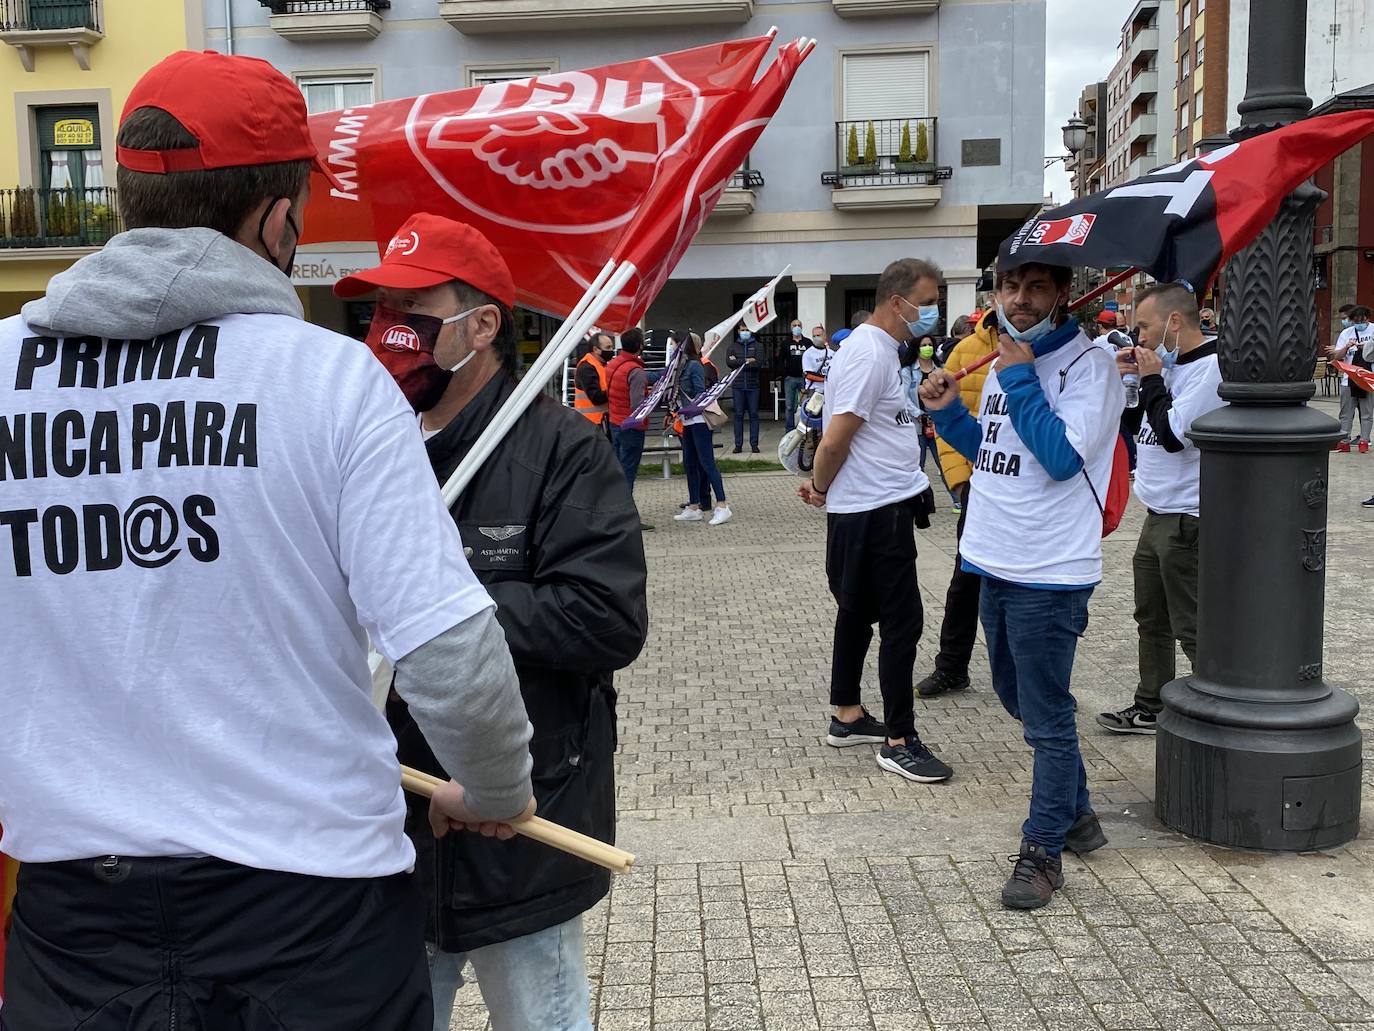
[205, 945]
[959, 629]
[870, 561]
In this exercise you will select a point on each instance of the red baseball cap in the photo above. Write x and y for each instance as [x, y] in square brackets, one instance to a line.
[240, 109]
[429, 250]
[1106, 318]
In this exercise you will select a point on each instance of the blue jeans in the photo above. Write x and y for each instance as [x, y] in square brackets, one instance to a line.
[928, 446]
[1032, 636]
[791, 392]
[699, 462]
[629, 448]
[538, 981]
[746, 400]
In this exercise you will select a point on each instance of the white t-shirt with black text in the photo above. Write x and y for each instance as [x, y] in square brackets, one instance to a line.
[1168, 482]
[881, 469]
[1023, 525]
[198, 534]
[814, 363]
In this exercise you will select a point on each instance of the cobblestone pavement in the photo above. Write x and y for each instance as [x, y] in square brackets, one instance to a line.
[784, 885]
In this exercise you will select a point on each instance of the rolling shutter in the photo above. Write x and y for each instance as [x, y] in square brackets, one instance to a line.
[886, 85]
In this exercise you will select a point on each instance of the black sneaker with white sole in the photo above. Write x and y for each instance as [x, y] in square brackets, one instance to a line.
[914, 761]
[1131, 720]
[940, 682]
[863, 731]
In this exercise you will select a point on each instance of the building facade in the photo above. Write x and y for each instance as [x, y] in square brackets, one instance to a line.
[1138, 129]
[67, 66]
[1202, 96]
[963, 77]
[1086, 167]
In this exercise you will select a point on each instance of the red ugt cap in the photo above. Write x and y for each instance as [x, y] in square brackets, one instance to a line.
[240, 109]
[429, 250]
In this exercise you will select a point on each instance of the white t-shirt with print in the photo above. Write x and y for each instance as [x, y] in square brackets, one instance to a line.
[1364, 346]
[193, 554]
[1023, 525]
[1169, 482]
[881, 469]
[814, 362]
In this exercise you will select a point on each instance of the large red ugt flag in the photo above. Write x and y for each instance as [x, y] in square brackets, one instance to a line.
[562, 172]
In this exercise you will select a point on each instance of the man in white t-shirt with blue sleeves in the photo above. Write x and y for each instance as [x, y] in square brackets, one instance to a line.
[1041, 448]
[865, 474]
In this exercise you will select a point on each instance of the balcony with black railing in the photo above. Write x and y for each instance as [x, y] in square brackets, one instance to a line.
[326, 19]
[738, 198]
[882, 153]
[35, 218]
[28, 25]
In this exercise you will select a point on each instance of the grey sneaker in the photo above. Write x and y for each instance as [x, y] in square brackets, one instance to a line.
[1131, 720]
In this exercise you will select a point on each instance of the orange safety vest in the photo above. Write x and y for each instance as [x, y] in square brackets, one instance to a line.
[583, 403]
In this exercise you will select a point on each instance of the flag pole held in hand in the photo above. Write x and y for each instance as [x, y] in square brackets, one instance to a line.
[570, 841]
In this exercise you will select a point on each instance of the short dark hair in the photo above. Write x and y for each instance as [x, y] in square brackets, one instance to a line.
[692, 347]
[1359, 313]
[1170, 298]
[632, 340]
[901, 277]
[860, 317]
[1345, 309]
[960, 329]
[215, 198]
[1061, 275]
[505, 344]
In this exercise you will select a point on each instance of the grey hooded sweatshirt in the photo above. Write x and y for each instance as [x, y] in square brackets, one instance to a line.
[461, 686]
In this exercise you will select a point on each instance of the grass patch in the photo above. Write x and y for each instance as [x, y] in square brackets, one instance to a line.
[653, 468]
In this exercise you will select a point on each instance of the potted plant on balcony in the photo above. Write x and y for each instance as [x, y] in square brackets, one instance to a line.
[61, 213]
[904, 164]
[855, 162]
[923, 160]
[23, 218]
[97, 223]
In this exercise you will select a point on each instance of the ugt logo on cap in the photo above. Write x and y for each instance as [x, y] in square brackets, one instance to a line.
[401, 338]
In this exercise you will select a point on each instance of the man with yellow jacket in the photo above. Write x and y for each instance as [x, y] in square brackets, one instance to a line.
[959, 630]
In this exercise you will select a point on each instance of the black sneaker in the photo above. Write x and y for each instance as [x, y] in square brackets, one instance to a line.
[645, 527]
[939, 682]
[1131, 720]
[1367, 504]
[1034, 879]
[914, 761]
[737, 451]
[863, 731]
[1085, 835]
[754, 448]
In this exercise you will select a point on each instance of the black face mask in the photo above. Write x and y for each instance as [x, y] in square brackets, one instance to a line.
[295, 230]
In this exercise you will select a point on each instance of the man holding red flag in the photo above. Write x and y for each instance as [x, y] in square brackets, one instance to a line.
[552, 532]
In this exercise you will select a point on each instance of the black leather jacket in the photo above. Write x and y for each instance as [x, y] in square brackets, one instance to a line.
[551, 530]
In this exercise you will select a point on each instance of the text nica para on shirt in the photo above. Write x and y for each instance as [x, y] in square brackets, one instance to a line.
[70, 443]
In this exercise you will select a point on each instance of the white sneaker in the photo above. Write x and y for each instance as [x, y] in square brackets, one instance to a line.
[689, 515]
[722, 515]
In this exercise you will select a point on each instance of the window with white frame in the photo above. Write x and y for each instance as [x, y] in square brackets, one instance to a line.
[1183, 119]
[887, 85]
[485, 74]
[334, 93]
[1199, 52]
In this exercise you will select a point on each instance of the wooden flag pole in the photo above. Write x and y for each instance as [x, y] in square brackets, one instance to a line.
[581, 845]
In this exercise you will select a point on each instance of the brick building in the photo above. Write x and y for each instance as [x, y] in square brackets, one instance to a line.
[1201, 102]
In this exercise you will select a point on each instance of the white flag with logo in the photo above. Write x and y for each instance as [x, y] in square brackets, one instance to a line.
[757, 312]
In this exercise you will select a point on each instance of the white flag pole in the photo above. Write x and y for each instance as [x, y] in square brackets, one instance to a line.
[533, 383]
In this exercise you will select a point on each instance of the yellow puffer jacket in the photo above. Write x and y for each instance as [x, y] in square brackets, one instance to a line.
[982, 341]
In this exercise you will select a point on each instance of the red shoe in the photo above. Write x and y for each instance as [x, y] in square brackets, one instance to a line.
[1343, 447]
[1364, 447]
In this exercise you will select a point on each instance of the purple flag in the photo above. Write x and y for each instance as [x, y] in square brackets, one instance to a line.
[639, 418]
[708, 397]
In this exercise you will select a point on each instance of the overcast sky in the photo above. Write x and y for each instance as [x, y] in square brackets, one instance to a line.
[1081, 37]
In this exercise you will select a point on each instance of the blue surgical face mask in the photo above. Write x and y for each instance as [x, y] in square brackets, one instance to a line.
[1029, 336]
[1345, 323]
[745, 337]
[1168, 357]
[927, 316]
[797, 332]
[1362, 327]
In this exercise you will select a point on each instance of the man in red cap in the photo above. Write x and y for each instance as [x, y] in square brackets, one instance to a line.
[552, 531]
[209, 813]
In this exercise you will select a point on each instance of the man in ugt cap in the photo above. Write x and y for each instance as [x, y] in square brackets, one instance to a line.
[551, 530]
[209, 815]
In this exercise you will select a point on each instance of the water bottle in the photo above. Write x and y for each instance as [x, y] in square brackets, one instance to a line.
[1131, 383]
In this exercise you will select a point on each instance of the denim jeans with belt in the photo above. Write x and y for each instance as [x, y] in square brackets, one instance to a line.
[536, 981]
[1032, 635]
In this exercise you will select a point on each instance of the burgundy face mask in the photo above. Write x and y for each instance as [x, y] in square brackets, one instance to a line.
[404, 342]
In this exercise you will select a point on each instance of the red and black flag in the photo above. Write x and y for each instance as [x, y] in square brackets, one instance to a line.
[1184, 221]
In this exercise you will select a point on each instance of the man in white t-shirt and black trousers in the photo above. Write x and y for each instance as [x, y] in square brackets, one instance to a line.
[1179, 377]
[205, 800]
[1355, 346]
[865, 475]
[1041, 449]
